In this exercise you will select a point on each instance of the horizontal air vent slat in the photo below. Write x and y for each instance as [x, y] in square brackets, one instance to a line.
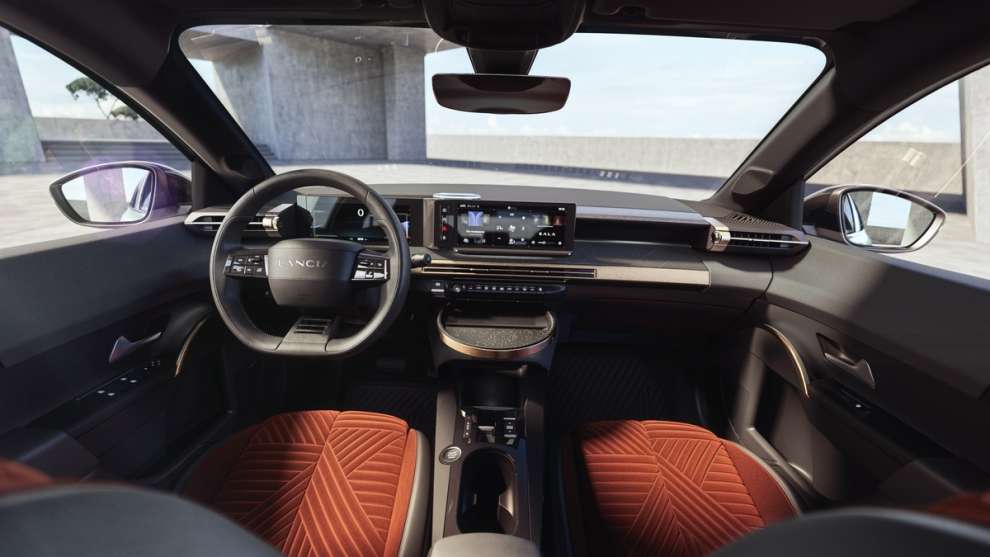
[512, 271]
[211, 223]
[763, 240]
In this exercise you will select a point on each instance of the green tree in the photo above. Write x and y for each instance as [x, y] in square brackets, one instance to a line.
[124, 111]
[85, 86]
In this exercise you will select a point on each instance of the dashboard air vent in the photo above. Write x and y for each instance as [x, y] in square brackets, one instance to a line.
[208, 223]
[746, 219]
[764, 241]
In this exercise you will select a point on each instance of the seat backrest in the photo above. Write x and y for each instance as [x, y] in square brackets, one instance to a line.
[864, 532]
[95, 520]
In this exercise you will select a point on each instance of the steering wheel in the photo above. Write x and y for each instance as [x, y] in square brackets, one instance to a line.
[314, 274]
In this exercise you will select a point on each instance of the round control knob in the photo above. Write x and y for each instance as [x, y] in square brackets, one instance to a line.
[450, 454]
[456, 289]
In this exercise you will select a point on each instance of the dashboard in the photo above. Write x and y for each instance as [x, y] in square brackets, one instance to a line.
[521, 242]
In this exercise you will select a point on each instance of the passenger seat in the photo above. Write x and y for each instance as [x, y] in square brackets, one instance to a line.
[654, 488]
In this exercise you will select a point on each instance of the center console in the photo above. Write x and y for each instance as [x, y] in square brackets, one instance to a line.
[492, 356]
[488, 477]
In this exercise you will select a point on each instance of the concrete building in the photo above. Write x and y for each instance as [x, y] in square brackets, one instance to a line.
[974, 109]
[20, 143]
[322, 93]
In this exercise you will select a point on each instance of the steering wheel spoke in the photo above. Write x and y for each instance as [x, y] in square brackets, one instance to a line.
[372, 267]
[247, 264]
[309, 334]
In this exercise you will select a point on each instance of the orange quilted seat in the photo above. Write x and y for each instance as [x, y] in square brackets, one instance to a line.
[15, 476]
[315, 483]
[668, 489]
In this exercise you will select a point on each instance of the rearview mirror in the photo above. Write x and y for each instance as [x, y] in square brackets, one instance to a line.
[501, 93]
[873, 217]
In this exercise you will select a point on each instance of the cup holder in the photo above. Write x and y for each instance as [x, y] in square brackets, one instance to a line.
[496, 336]
[488, 494]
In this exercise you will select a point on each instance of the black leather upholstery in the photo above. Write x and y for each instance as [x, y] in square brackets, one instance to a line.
[101, 521]
[864, 532]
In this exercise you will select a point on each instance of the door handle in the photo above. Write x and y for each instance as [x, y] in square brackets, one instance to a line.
[124, 347]
[859, 369]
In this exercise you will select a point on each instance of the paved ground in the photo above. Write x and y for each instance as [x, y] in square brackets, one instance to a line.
[27, 214]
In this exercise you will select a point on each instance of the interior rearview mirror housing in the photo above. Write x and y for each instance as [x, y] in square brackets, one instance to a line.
[120, 193]
[501, 93]
[873, 217]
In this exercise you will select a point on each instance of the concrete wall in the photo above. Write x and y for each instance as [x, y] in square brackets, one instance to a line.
[327, 98]
[924, 167]
[91, 129]
[311, 97]
[405, 116]
[19, 141]
[916, 166]
[974, 104]
[698, 157]
[242, 86]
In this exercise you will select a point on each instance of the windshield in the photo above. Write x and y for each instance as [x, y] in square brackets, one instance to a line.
[668, 115]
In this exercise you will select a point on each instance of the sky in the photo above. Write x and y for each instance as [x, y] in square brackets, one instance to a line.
[622, 85]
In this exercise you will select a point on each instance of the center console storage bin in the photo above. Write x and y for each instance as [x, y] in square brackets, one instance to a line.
[493, 332]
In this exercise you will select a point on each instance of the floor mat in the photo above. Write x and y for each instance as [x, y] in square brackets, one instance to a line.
[413, 402]
[591, 382]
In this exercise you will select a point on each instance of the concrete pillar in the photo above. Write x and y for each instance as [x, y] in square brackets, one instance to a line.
[19, 141]
[322, 93]
[405, 110]
[106, 200]
[327, 98]
[974, 109]
[242, 85]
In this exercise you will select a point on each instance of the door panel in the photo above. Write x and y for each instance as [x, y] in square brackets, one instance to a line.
[57, 292]
[936, 320]
[896, 357]
[66, 305]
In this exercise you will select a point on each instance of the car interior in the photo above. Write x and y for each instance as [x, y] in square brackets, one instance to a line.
[251, 361]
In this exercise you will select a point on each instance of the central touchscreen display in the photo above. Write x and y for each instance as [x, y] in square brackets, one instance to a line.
[508, 226]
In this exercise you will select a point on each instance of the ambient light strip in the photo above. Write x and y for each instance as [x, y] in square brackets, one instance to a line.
[606, 273]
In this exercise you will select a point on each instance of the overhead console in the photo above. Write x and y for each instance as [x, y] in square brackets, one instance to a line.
[499, 227]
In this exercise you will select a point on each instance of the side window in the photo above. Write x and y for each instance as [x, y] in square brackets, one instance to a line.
[939, 149]
[53, 121]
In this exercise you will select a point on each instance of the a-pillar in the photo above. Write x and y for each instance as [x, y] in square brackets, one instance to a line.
[20, 143]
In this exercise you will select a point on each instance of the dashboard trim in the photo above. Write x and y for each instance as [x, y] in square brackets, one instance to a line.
[664, 276]
[639, 215]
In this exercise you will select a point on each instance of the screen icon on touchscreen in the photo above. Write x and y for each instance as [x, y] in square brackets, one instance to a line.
[476, 218]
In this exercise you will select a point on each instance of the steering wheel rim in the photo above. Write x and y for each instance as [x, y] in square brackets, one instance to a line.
[226, 290]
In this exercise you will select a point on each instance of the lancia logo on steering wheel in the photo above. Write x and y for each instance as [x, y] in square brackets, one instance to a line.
[307, 263]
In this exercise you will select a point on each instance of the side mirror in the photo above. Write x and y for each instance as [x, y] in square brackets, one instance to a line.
[120, 193]
[872, 217]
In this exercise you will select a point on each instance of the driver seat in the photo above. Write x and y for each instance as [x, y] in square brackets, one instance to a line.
[322, 483]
